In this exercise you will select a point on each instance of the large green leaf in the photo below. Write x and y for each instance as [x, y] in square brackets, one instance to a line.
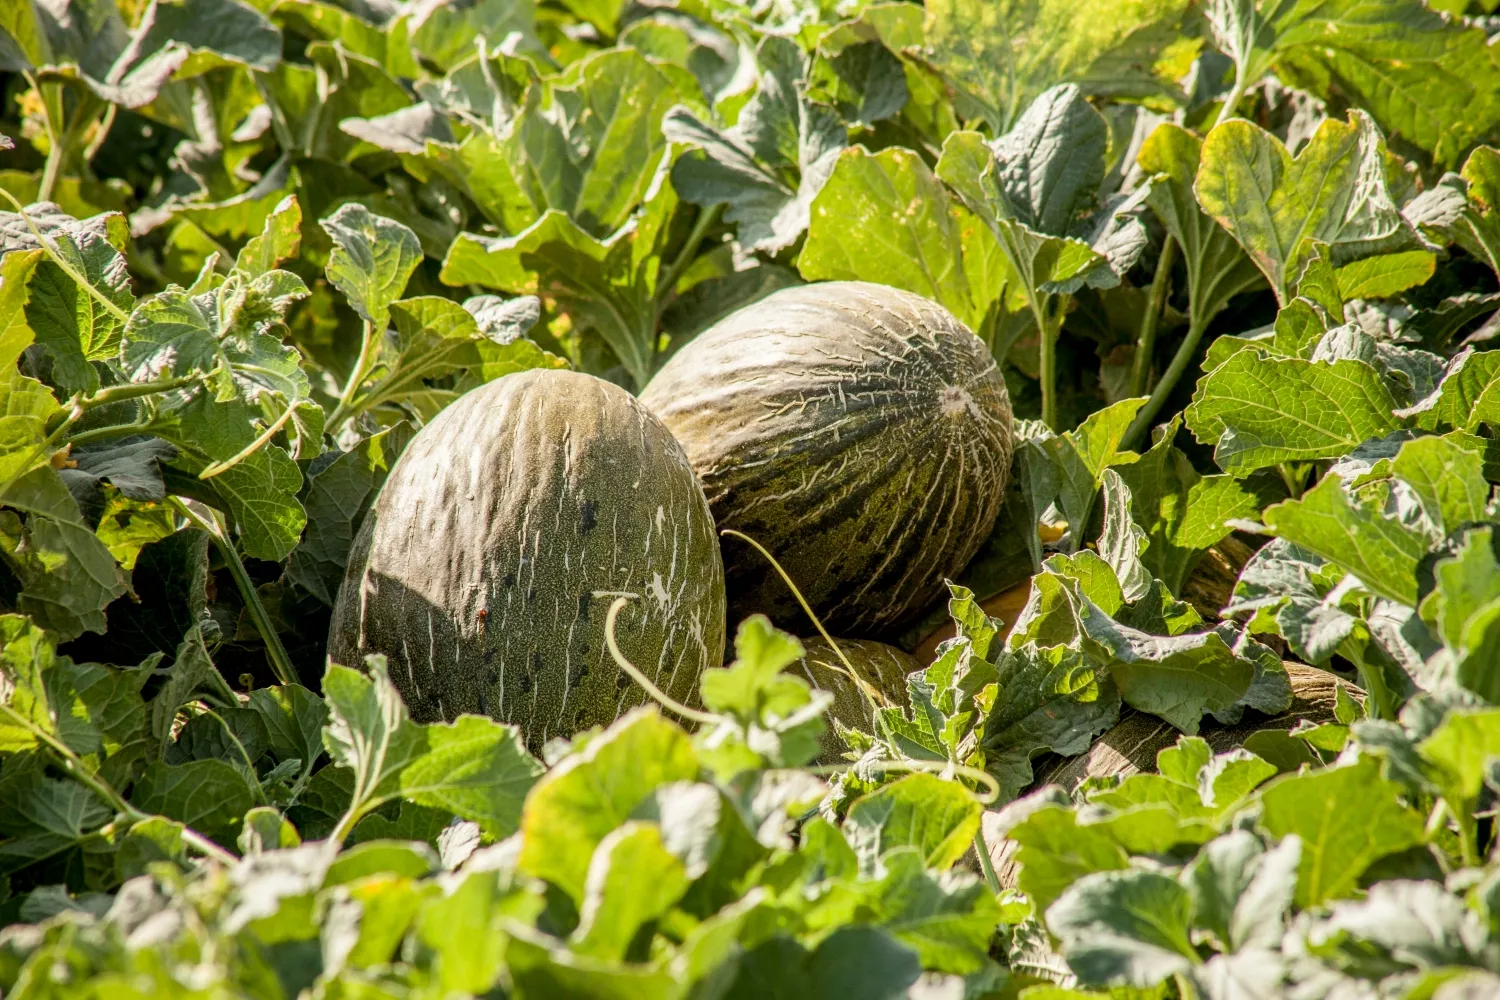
[772, 163]
[576, 804]
[373, 258]
[1355, 529]
[1465, 607]
[937, 817]
[1055, 699]
[1425, 78]
[474, 767]
[1333, 191]
[996, 58]
[1129, 928]
[1348, 818]
[609, 286]
[71, 324]
[632, 879]
[1258, 411]
[884, 217]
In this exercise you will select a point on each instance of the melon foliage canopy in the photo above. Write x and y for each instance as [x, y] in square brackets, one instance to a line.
[408, 411]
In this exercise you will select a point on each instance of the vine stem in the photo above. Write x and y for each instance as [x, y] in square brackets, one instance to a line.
[706, 218]
[1140, 369]
[992, 787]
[281, 663]
[1049, 323]
[216, 468]
[64, 265]
[985, 864]
[1136, 432]
[869, 690]
[635, 673]
[107, 792]
[357, 377]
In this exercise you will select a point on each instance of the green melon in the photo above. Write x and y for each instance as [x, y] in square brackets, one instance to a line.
[482, 570]
[862, 434]
[884, 667]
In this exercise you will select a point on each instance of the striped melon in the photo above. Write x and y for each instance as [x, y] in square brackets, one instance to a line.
[480, 571]
[884, 667]
[860, 433]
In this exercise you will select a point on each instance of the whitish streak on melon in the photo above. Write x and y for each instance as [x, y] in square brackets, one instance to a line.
[861, 433]
[477, 569]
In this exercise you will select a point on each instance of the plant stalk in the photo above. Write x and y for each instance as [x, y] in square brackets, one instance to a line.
[1140, 369]
[1048, 326]
[362, 366]
[985, 864]
[1135, 434]
[705, 221]
[281, 663]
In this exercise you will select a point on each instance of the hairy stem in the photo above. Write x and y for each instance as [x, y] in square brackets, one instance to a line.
[357, 377]
[1145, 347]
[985, 864]
[1049, 322]
[135, 390]
[281, 663]
[705, 221]
[1135, 434]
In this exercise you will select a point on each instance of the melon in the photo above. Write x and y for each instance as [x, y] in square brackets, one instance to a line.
[485, 567]
[862, 434]
[883, 667]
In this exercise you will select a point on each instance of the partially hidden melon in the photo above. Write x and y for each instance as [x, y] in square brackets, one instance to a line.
[883, 667]
[862, 434]
[487, 563]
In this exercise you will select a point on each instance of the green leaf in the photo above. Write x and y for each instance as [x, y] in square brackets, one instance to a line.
[1241, 892]
[1467, 395]
[996, 58]
[36, 694]
[1217, 269]
[372, 259]
[1184, 513]
[474, 767]
[71, 324]
[338, 496]
[632, 880]
[1385, 276]
[607, 286]
[1466, 608]
[884, 217]
[1273, 202]
[947, 920]
[211, 796]
[1285, 586]
[1055, 699]
[1178, 678]
[1317, 807]
[67, 575]
[1447, 474]
[1258, 410]
[769, 166]
[939, 818]
[1122, 540]
[279, 239]
[591, 792]
[1354, 529]
[1127, 928]
[589, 146]
[436, 337]
[853, 961]
[1460, 749]
[1422, 76]
[446, 34]
[43, 817]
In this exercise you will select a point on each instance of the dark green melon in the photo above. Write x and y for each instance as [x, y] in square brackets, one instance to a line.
[884, 667]
[862, 434]
[483, 569]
